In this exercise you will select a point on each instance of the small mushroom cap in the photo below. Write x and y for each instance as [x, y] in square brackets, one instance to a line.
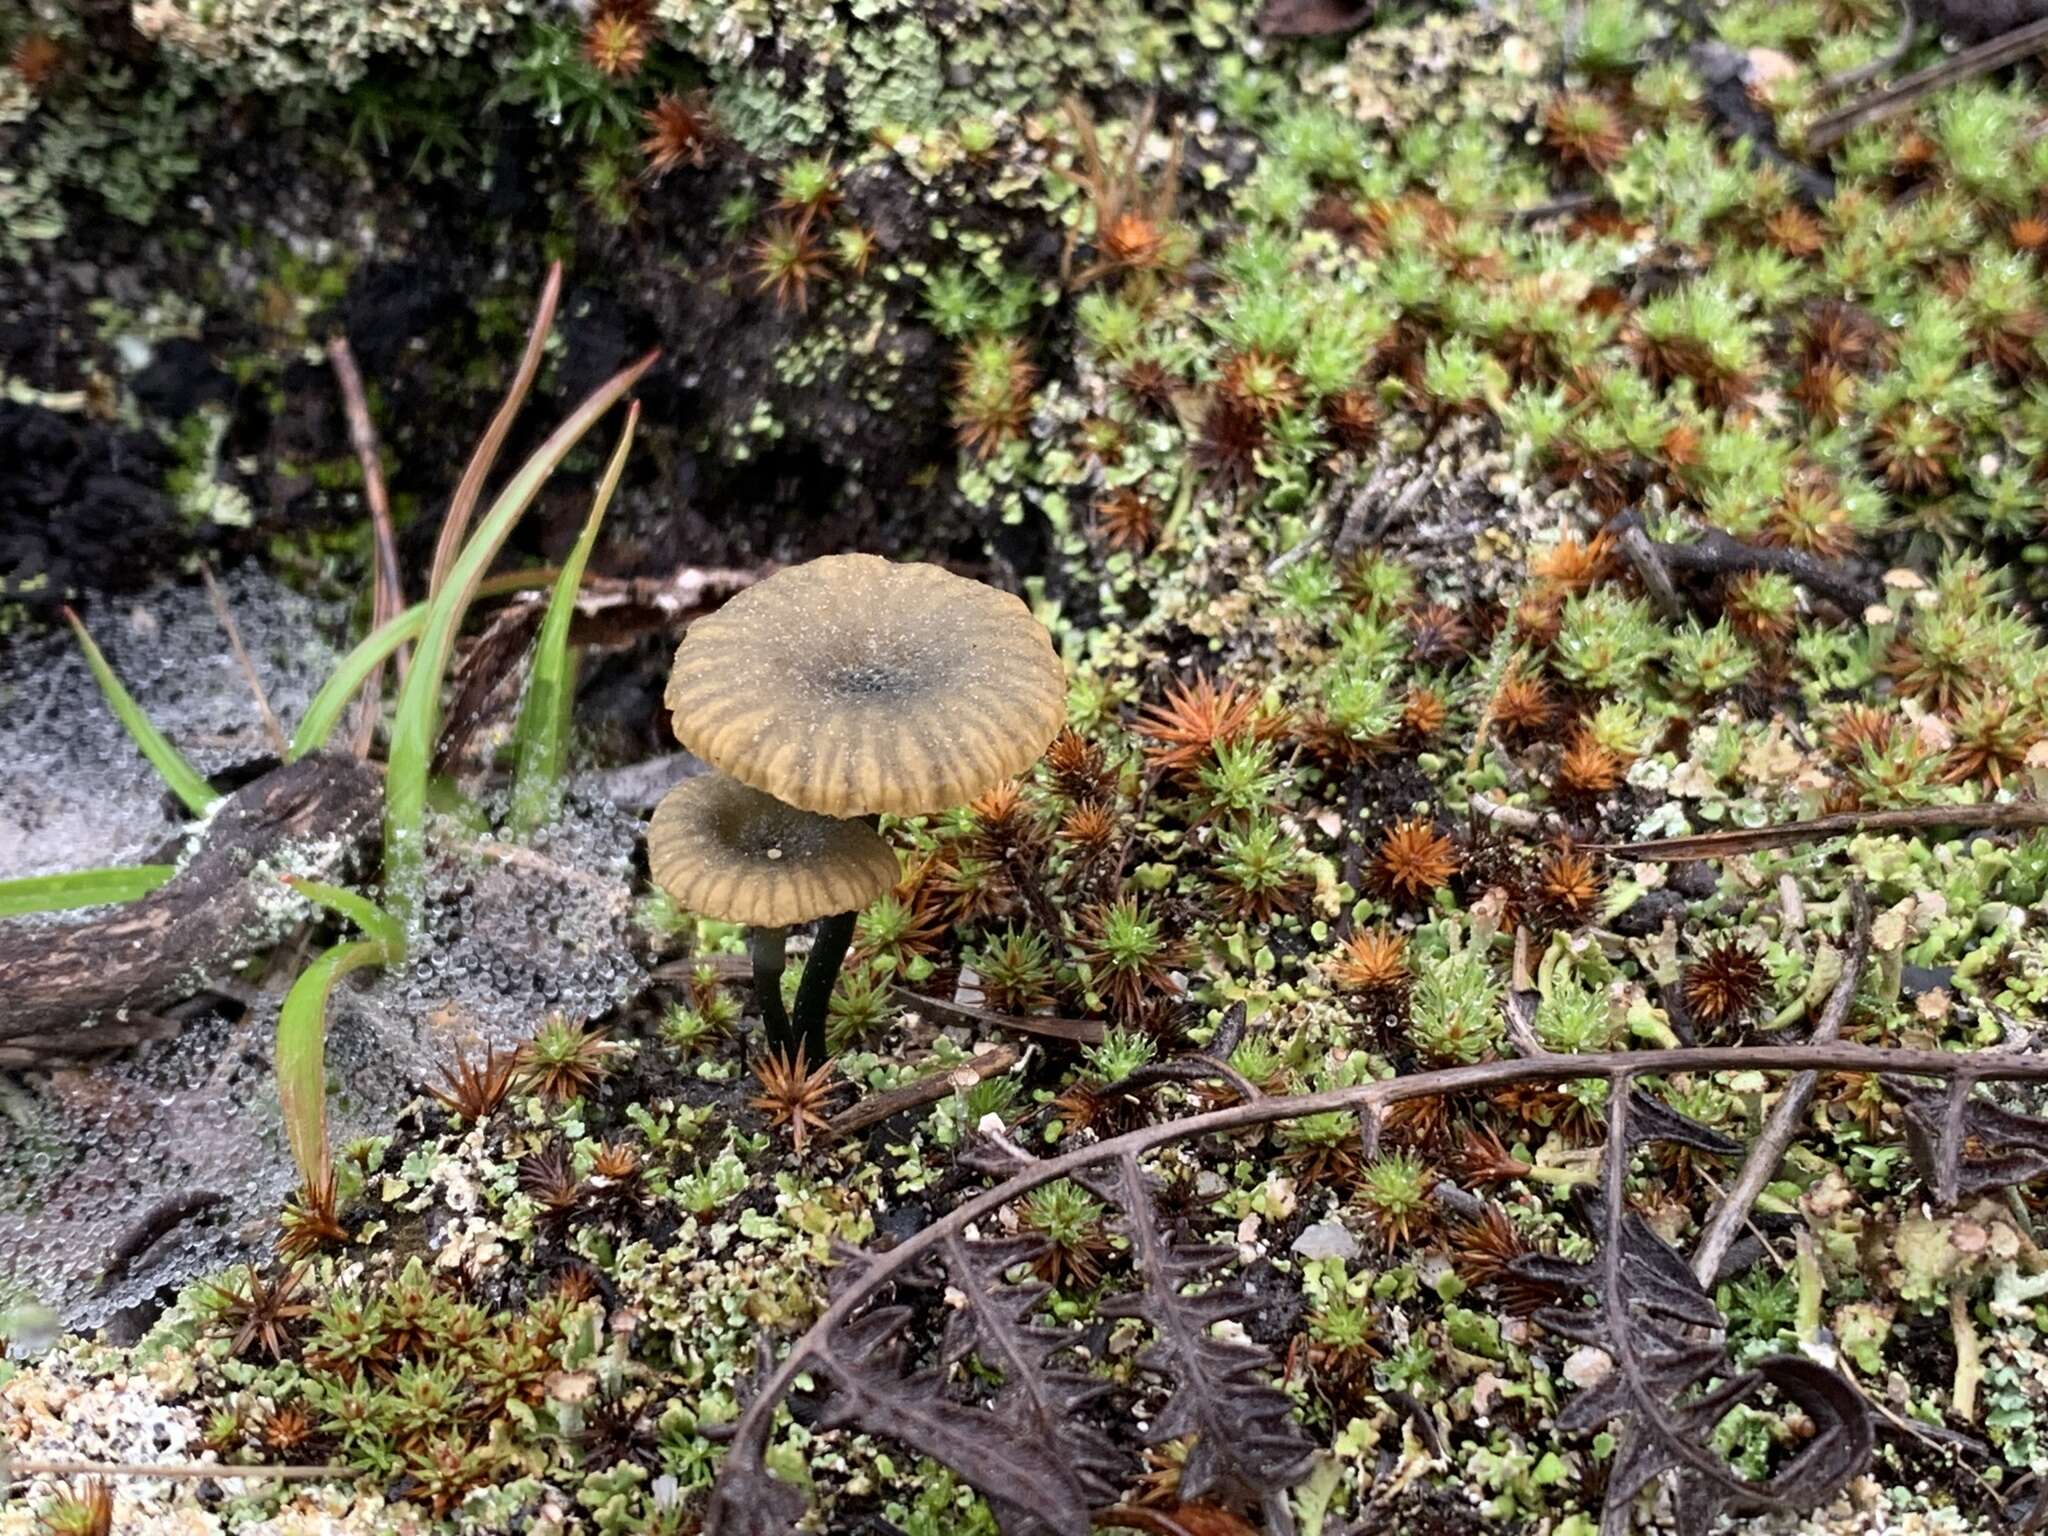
[735, 854]
[853, 685]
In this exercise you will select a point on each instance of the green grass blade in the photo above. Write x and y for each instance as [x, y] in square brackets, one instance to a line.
[376, 923]
[184, 780]
[325, 711]
[81, 888]
[354, 669]
[541, 739]
[418, 721]
[301, 1064]
[302, 1052]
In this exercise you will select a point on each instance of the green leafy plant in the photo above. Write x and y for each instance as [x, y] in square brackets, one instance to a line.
[324, 711]
[1607, 640]
[1457, 1009]
[81, 888]
[183, 780]
[541, 741]
[418, 720]
[555, 80]
[457, 579]
[1120, 1053]
[301, 1062]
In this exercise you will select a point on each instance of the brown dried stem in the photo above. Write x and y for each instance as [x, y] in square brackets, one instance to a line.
[877, 1107]
[1902, 95]
[455, 524]
[1648, 564]
[1715, 553]
[189, 1470]
[2018, 816]
[388, 594]
[1079, 1031]
[1521, 1014]
[226, 615]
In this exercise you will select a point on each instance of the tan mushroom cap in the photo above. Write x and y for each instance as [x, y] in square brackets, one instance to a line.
[853, 685]
[735, 854]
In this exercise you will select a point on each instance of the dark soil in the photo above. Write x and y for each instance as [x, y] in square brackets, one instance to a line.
[84, 505]
[80, 504]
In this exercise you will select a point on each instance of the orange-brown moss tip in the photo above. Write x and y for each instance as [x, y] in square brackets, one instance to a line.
[737, 855]
[852, 685]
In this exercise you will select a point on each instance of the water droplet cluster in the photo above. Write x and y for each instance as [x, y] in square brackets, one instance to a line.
[75, 792]
[509, 932]
[92, 1156]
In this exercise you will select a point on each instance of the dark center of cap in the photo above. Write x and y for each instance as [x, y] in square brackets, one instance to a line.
[771, 835]
[871, 679]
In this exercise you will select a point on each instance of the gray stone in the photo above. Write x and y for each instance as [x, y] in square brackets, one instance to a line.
[1327, 1240]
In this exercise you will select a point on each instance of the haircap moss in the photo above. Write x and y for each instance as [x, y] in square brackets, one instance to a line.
[851, 686]
[737, 855]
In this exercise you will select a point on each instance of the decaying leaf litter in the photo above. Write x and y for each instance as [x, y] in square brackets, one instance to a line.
[1434, 584]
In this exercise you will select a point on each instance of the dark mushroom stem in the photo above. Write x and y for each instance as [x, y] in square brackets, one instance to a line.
[813, 993]
[821, 971]
[767, 945]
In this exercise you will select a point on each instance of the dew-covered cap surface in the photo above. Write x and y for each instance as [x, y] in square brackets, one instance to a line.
[737, 855]
[853, 685]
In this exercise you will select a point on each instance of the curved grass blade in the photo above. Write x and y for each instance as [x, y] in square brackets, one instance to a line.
[184, 780]
[301, 1062]
[455, 522]
[81, 888]
[541, 739]
[418, 721]
[302, 1052]
[376, 923]
[354, 669]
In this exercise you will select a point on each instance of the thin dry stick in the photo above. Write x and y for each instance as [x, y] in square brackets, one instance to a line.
[877, 1107]
[1316, 537]
[1714, 553]
[1901, 95]
[1080, 1031]
[1135, 1517]
[1862, 74]
[1194, 1067]
[362, 436]
[455, 524]
[388, 594]
[1726, 1221]
[1513, 817]
[2019, 816]
[1536, 213]
[1652, 572]
[226, 616]
[175, 1469]
[1521, 1016]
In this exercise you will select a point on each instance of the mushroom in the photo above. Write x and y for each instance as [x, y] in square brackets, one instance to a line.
[740, 856]
[853, 686]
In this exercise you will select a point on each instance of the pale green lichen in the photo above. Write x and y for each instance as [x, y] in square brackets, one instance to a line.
[124, 147]
[274, 46]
